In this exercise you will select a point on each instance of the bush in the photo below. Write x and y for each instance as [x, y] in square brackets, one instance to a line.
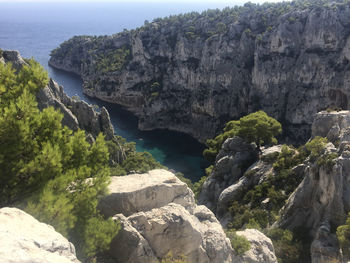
[315, 147]
[185, 180]
[169, 258]
[197, 186]
[256, 127]
[343, 235]
[112, 60]
[287, 248]
[239, 244]
[327, 161]
[270, 158]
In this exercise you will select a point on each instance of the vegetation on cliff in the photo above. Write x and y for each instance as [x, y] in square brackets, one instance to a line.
[55, 172]
[181, 53]
[343, 235]
[256, 127]
[258, 205]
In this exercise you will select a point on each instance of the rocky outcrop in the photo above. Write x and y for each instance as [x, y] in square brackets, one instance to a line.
[158, 215]
[143, 192]
[13, 57]
[261, 247]
[194, 72]
[76, 113]
[325, 246]
[331, 124]
[322, 199]
[24, 239]
[231, 162]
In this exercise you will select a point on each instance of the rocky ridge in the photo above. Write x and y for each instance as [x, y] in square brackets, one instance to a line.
[158, 215]
[77, 113]
[194, 72]
[318, 204]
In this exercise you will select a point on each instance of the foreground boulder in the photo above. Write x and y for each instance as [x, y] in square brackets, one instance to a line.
[158, 215]
[143, 192]
[25, 239]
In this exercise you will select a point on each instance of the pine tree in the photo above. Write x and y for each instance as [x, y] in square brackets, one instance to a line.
[56, 173]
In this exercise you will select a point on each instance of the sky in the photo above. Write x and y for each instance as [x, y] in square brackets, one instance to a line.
[228, 2]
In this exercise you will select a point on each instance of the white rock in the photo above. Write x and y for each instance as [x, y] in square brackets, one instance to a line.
[261, 247]
[142, 192]
[173, 228]
[129, 246]
[25, 239]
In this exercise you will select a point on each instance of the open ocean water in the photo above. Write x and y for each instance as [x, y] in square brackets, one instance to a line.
[35, 29]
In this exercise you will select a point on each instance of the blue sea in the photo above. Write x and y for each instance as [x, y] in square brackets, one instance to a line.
[35, 29]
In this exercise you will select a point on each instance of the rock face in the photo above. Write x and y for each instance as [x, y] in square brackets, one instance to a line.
[77, 113]
[322, 199]
[24, 239]
[231, 162]
[331, 124]
[261, 247]
[158, 215]
[194, 72]
[13, 57]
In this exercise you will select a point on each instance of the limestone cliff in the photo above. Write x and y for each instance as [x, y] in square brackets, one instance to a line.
[194, 72]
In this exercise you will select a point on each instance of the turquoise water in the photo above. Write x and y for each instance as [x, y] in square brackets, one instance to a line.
[36, 28]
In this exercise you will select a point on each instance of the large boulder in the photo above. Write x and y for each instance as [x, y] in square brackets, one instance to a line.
[143, 192]
[25, 239]
[173, 228]
[129, 246]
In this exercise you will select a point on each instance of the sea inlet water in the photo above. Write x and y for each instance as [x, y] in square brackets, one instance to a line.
[35, 29]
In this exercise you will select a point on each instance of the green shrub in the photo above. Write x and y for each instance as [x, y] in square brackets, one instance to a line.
[112, 60]
[270, 158]
[185, 180]
[327, 160]
[197, 186]
[140, 163]
[316, 147]
[221, 28]
[343, 235]
[51, 171]
[239, 244]
[169, 258]
[256, 127]
[287, 248]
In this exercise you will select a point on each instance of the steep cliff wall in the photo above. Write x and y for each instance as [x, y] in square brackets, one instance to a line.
[193, 72]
